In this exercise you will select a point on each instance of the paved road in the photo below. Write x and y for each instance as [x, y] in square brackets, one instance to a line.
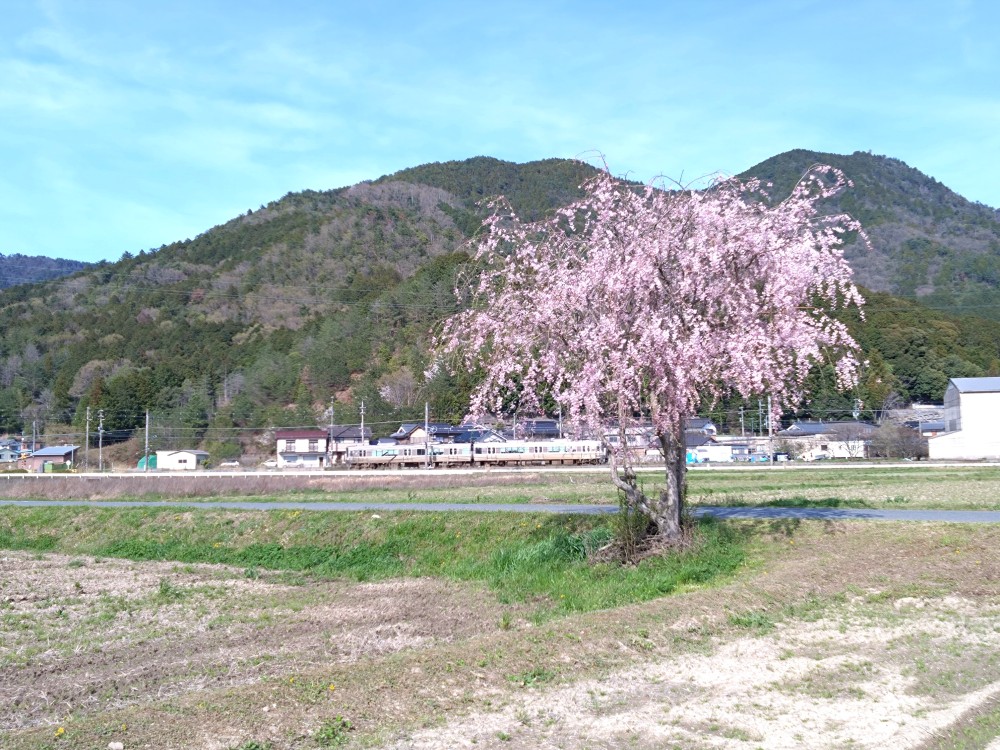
[761, 513]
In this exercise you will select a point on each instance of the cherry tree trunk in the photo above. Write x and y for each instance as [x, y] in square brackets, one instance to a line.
[664, 508]
[670, 504]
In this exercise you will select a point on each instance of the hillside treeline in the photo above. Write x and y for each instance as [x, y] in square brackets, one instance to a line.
[324, 298]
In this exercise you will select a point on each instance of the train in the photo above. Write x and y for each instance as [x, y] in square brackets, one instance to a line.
[457, 455]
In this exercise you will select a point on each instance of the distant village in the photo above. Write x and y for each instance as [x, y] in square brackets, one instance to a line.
[963, 428]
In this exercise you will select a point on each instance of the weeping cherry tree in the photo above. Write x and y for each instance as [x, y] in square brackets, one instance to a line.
[638, 304]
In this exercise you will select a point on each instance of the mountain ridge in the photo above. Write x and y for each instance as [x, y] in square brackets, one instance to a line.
[260, 320]
[18, 269]
[928, 242]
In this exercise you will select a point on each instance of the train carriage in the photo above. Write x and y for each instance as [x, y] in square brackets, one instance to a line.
[509, 453]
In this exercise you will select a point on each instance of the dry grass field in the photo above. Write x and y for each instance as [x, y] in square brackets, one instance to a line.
[825, 635]
[972, 487]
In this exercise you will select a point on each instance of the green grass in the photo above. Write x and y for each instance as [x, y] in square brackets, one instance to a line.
[758, 622]
[918, 487]
[538, 558]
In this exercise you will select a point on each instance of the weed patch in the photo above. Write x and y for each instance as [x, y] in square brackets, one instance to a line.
[532, 677]
[759, 622]
[333, 732]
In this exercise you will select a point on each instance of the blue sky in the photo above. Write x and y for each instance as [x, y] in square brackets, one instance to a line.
[127, 125]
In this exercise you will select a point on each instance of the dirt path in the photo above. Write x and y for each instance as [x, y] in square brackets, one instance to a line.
[867, 676]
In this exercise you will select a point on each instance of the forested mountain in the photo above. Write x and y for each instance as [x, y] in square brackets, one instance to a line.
[327, 296]
[927, 241]
[28, 269]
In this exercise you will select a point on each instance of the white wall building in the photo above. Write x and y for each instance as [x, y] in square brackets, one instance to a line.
[971, 421]
[302, 449]
[180, 460]
[811, 441]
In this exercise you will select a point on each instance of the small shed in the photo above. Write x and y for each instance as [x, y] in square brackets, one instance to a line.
[184, 460]
[55, 455]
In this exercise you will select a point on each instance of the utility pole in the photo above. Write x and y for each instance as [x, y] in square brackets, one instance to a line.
[100, 439]
[363, 441]
[743, 432]
[86, 445]
[770, 434]
[560, 421]
[145, 463]
[427, 434]
[329, 437]
[34, 435]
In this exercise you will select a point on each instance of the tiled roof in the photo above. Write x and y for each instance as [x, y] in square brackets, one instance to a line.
[824, 428]
[292, 434]
[352, 432]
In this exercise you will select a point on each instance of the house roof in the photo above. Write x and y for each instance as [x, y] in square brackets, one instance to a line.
[292, 434]
[976, 385]
[406, 428]
[540, 427]
[348, 432]
[56, 450]
[192, 452]
[446, 430]
[696, 438]
[824, 428]
[433, 428]
[806, 428]
[480, 435]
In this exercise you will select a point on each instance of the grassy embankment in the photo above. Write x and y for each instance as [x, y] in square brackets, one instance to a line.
[542, 559]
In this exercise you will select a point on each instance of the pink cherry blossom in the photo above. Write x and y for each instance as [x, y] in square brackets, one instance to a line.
[638, 303]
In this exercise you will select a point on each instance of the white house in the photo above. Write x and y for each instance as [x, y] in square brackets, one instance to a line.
[971, 421]
[188, 460]
[302, 449]
[816, 440]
